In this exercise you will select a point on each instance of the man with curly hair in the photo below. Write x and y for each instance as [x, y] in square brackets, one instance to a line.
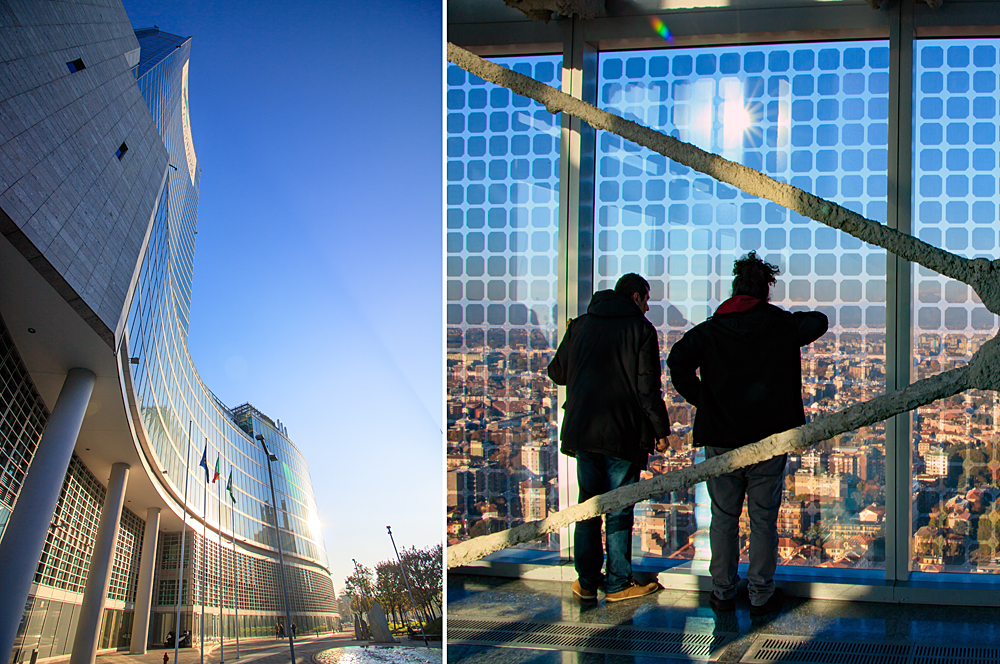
[750, 387]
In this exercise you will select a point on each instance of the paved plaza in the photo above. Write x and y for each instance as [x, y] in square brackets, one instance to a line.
[328, 649]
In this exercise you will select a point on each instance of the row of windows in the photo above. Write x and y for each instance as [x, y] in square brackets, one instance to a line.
[256, 581]
[822, 109]
[69, 546]
[22, 419]
[65, 556]
[751, 61]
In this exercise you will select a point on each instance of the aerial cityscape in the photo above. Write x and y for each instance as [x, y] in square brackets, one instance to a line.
[502, 456]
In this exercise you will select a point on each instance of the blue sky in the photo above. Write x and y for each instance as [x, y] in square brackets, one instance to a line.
[317, 280]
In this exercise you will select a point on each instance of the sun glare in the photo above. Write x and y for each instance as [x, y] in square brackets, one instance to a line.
[736, 117]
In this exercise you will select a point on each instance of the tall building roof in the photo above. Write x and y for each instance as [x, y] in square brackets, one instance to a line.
[155, 44]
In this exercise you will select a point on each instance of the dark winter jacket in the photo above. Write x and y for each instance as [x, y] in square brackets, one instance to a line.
[609, 361]
[751, 375]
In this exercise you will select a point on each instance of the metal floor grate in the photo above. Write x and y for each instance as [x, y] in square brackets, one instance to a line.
[927, 654]
[807, 650]
[591, 638]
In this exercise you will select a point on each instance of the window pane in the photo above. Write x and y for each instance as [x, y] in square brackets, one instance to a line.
[813, 115]
[955, 453]
[502, 222]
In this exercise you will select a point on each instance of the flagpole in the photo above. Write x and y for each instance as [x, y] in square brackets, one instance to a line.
[222, 624]
[236, 588]
[204, 558]
[180, 579]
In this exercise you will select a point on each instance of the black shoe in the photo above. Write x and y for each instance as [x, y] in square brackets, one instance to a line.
[721, 605]
[772, 605]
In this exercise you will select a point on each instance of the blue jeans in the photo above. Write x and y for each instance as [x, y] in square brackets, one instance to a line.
[761, 484]
[596, 474]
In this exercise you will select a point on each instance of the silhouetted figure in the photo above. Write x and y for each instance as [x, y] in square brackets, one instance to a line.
[609, 361]
[750, 387]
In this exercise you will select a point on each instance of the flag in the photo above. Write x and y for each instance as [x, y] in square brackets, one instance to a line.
[216, 470]
[204, 462]
[229, 486]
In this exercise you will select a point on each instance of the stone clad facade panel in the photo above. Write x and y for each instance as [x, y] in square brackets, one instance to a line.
[61, 184]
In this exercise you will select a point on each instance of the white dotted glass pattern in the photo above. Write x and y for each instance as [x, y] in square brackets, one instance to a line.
[502, 203]
[815, 116]
[955, 442]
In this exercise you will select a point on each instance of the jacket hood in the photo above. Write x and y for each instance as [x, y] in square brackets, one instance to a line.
[610, 304]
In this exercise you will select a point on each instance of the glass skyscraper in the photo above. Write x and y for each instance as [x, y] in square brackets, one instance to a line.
[97, 262]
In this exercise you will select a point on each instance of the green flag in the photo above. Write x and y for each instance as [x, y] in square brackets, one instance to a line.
[229, 486]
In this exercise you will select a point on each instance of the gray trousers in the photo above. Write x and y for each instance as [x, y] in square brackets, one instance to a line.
[762, 484]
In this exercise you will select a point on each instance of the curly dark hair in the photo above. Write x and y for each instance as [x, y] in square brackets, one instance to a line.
[753, 276]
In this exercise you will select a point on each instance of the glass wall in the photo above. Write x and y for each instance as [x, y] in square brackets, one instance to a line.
[813, 115]
[820, 116]
[23, 417]
[181, 417]
[956, 447]
[502, 230]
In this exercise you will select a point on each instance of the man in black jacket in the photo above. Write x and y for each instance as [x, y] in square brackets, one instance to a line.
[609, 361]
[750, 388]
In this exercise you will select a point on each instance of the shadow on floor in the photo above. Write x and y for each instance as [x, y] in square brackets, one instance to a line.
[498, 602]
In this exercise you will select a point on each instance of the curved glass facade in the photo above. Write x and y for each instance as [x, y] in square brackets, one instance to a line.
[131, 183]
[169, 394]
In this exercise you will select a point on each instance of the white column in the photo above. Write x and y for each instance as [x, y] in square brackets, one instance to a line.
[144, 593]
[99, 577]
[29, 522]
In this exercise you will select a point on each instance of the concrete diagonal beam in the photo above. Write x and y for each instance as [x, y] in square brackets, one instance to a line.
[982, 371]
[542, 10]
[980, 273]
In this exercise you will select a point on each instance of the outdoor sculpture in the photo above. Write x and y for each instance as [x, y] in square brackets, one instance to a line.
[379, 625]
[982, 371]
[361, 631]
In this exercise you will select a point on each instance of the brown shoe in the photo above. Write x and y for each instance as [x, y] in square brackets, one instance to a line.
[632, 591]
[582, 593]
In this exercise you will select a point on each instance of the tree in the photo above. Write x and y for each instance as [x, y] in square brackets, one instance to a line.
[360, 586]
[425, 572]
[390, 590]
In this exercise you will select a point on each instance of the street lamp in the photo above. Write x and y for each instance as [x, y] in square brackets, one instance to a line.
[402, 569]
[281, 556]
